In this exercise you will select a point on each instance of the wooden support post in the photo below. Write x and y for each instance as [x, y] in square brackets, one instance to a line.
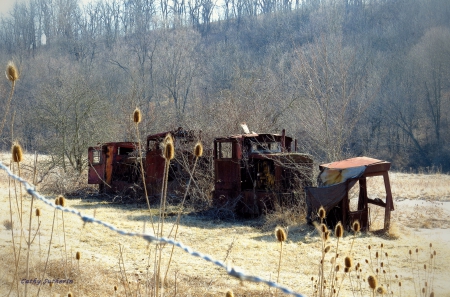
[389, 203]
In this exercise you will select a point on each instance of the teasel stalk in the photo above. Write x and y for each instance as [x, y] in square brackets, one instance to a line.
[198, 152]
[281, 236]
[339, 233]
[137, 117]
[78, 257]
[16, 254]
[168, 154]
[12, 75]
[62, 203]
[324, 234]
[49, 245]
[17, 157]
[356, 227]
[38, 214]
[373, 283]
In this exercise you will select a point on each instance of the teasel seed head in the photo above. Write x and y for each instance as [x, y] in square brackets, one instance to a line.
[137, 116]
[347, 269]
[326, 235]
[425, 266]
[381, 264]
[115, 288]
[38, 212]
[432, 294]
[376, 255]
[431, 245]
[17, 154]
[381, 290]
[348, 262]
[78, 256]
[323, 228]
[169, 150]
[69, 294]
[399, 284]
[417, 250]
[356, 226]
[382, 245]
[229, 294]
[322, 213]
[62, 201]
[11, 72]
[372, 280]
[369, 247]
[198, 149]
[57, 200]
[280, 234]
[337, 268]
[339, 230]
[327, 249]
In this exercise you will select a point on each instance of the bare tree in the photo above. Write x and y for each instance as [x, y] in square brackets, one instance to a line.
[335, 89]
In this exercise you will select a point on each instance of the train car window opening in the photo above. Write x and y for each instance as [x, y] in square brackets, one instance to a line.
[225, 150]
[124, 150]
[96, 157]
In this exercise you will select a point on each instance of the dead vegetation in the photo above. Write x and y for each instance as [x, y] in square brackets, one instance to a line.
[249, 244]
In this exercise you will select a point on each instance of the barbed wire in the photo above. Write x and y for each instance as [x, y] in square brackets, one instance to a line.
[232, 271]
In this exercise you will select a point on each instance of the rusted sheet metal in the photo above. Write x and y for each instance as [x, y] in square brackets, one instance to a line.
[355, 162]
[259, 169]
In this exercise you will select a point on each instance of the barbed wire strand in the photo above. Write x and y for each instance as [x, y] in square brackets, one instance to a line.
[232, 271]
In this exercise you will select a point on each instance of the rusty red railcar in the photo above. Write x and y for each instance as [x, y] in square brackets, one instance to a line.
[254, 172]
[115, 166]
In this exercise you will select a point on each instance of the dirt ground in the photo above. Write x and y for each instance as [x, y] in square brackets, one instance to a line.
[421, 217]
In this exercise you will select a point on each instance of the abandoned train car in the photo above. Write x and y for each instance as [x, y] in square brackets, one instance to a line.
[115, 167]
[253, 172]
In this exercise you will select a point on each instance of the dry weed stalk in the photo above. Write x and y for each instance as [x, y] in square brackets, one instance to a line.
[168, 154]
[281, 236]
[137, 117]
[49, 246]
[16, 253]
[198, 152]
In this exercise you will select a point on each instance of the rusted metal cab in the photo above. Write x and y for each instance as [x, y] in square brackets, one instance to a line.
[184, 141]
[113, 166]
[254, 172]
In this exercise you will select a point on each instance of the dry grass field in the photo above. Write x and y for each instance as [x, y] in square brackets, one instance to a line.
[107, 259]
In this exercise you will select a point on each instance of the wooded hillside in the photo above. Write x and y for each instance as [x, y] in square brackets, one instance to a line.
[344, 77]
